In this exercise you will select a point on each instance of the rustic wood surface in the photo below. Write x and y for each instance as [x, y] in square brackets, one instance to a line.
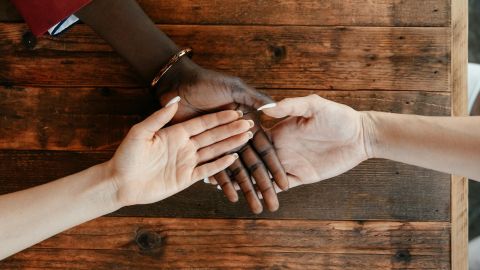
[66, 102]
[286, 57]
[42, 117]
[375, 190]
[132, 243]
[287, 12]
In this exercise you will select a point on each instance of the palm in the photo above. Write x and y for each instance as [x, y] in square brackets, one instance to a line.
[160, 158]
[322, 146]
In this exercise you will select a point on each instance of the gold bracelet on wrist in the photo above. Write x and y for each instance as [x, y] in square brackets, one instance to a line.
[170, 63]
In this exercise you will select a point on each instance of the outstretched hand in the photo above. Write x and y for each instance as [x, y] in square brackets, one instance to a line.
[153, 162]
[320, 139]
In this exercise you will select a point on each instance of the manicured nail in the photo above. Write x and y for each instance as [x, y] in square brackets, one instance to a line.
[206, 180]
[219, 187]
[173, 101]
[235, 155]
[267, 106]
[251, 123]
[250, 135]
[240, 113]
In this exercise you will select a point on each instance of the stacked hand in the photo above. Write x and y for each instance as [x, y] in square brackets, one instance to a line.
[204, 91]
[153, 163]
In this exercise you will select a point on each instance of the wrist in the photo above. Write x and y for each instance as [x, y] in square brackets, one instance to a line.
[369, 131]
[106, 187]
[181, 71]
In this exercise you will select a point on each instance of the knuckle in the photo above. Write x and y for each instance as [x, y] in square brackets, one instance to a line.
[257, 165]
[267, 152]
[267, 188]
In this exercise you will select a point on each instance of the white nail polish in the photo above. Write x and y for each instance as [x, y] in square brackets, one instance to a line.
[206, 180]
[219, 187]
[235, 155]
[173, 101]
[250, 135]
[267, 106]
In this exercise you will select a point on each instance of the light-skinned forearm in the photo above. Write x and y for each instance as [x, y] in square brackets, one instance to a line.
[446, 144]
[35, 214]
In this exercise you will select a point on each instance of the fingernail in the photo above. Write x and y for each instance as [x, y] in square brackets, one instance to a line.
[235, 155]
[251, 123]
[250, 135]
[267, 106]
[240, 113]
[219, 187]
[173, 101]
[206, 180]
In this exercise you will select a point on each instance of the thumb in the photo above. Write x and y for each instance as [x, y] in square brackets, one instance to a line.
[159, 118]
[301, 106]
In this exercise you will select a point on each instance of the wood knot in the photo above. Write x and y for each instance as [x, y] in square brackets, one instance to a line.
[29, 40]
[278, 53]
[148, 240]
[403, 256]
[105, 91]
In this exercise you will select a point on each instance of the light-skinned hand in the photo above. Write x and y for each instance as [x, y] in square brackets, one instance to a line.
[154, 162]
[320, 139]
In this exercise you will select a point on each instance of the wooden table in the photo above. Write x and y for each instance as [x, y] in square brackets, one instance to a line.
[66, 102]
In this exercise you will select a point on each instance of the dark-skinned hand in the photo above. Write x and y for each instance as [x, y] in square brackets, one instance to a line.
[204, 91]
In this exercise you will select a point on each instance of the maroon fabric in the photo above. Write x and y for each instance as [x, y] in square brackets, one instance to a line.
[41, 15]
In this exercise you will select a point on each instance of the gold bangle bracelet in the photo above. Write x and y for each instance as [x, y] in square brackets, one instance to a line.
[170, 63]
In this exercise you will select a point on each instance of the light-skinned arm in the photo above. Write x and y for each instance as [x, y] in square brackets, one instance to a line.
[321, 139]
[151, 164]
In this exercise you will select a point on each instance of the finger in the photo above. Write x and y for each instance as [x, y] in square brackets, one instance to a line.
[257, 169]
[301, 106]
[215, 150]
[209, 169]
[226, 185]
[221, 133]
[267, 153]
[241, 176]
[246, 95]
[200, 124]
[158, 119]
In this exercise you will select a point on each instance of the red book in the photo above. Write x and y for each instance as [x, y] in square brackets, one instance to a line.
[41, 15]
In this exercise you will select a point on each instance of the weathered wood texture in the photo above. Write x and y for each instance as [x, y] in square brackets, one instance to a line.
[340, 58]
[131, 243]
[288, 12]
[98, 118]
[459, 86]
[375, 190]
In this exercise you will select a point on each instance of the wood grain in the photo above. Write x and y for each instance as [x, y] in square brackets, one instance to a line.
[287, 12]
[98, 118]
[132, 243]
[459, 88]
[376, 189]
[329, 58]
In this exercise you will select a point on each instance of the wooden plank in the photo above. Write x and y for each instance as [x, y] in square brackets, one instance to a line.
[343, 58]
[98, 118]
[376, 189]
[287, 12]
[70, 118]
[459, 188]
[132, 243]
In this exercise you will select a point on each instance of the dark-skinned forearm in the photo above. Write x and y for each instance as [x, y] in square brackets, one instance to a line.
[125, 26]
